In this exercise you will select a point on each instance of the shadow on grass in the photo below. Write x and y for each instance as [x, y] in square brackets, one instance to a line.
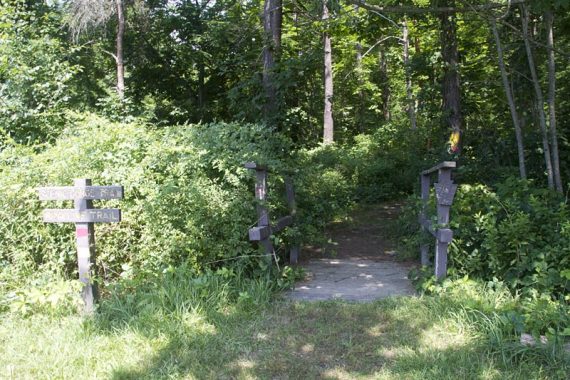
[392, 338]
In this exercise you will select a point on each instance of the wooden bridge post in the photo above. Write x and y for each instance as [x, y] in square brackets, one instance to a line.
[445, 191]
[263, 231]
[290, 192]
[424, 248]
[85, 239]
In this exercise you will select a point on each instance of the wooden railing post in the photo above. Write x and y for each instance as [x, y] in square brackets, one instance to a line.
[262, 233]
[445, 191]
[290, 192]
[423, 216]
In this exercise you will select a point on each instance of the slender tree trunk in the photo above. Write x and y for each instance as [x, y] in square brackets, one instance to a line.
[359, 70]
[119, 55]
[360, 83]
[272, 20]
[201, 79]
[385, 85]
[328, 123]
[451, 86]
[409, 95]
[511, 101]
[539, 98]
[549, 18]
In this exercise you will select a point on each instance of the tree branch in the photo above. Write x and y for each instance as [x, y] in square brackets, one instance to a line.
[424, 10]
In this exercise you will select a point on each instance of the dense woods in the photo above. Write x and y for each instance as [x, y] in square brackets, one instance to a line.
[170, 98]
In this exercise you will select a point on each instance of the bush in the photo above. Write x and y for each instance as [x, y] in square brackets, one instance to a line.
[188, 198]
[518, 233]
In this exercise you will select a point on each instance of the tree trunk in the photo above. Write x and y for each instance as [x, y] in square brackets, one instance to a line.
[549, 18]
[272, 20]
[410, 107]
[451, 87]
[328, 116]
[539, 98]
[359, 69]
[201, 79]
[360, 83]
[119, 55]
[385, 86]
[511, 101]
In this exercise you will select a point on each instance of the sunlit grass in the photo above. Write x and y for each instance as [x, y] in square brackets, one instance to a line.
[412, 338]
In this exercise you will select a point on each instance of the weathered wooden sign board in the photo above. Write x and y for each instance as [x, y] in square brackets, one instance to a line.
[444, 193]
[84, 216]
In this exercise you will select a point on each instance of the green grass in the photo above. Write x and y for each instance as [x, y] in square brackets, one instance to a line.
[400, 338]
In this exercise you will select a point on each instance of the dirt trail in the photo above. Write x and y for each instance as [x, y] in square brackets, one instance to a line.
[359, 265]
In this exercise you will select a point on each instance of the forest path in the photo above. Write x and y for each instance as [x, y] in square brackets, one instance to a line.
[359, 264]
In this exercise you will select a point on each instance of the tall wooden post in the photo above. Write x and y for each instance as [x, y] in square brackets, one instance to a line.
[445, 191]
[290, 192]
[262, 232]
[425, 197]
[85, 238]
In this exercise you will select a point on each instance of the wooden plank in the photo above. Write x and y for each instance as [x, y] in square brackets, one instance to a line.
[440, 260]
[424, 249]
[62, 193]
[261, 196]
[85, 241]
[444, 235]
[294, 255]
[441, 165]
[109, 215]
[445, 192]
[427, 224]
[282, 223]
[290, 193]
[259, 233]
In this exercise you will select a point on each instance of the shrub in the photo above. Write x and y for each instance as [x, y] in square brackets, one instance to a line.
[188, 198]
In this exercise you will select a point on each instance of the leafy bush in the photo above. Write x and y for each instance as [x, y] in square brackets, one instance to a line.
[515, 232]
[188, 198]
[35, 73]
[515, 237]
[518, 233]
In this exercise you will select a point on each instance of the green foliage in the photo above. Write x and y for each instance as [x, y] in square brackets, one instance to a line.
[493, 300]
[515, 232]
[518, 233]
[188, 198]
[35, 73]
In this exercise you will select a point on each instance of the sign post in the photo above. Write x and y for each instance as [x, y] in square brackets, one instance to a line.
[84, 216]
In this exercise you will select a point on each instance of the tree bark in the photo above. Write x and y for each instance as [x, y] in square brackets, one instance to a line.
[119, 56]
[511, 101]
[385, 85]
[360, 83]
[549, 18]
[272, 21]
[539, 98]
[410, 107]
[328, 124]
[451, 86]
[359, 70]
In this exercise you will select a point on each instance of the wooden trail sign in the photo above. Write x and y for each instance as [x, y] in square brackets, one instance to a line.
[84, 216]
